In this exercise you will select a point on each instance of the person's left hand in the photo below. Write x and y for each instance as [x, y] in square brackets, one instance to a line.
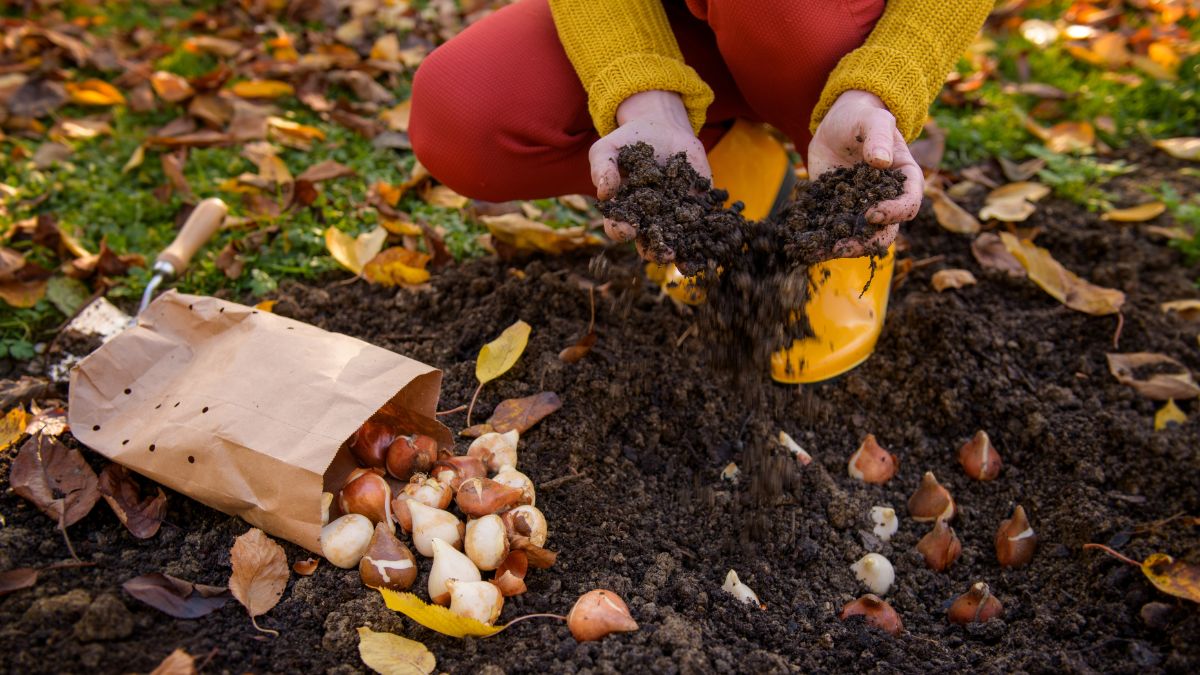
[859, 128]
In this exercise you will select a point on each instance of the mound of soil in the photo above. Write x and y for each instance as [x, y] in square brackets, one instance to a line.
[635, 501]
[753, 274]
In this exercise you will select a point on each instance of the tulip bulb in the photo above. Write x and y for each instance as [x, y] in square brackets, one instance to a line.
[326, 503]
[886, 522]
[515, 479]
[979, 458]
[482, 496]
[510, 575]
[448, 563]
[370, 442]
[802, 457]
[526, 521]
[734, 586]
[367, 493]
[876, 611]
[486, 542]
[977, 605]
[387, 563]
[598, 613]
[411, 454]
[497, 450]
[931, 501]
[871, 463]
[876, 572]
[1015, 540]
[345, 540]
[940, 547]
[478, 600]
[453, 470]
[429, 523]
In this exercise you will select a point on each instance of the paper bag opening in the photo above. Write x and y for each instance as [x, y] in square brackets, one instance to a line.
[244, 410]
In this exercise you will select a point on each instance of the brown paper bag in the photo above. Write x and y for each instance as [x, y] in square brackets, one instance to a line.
[244, 410]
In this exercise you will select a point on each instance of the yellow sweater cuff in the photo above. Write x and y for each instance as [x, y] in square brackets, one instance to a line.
[889, 74]
[634, 73]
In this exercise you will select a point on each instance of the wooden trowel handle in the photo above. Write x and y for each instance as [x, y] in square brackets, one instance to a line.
[204, 220]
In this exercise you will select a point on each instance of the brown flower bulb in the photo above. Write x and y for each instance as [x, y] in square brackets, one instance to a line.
[387, 563]
[979, 458]
[876, 611]
[1015, 540]
[977, 605]
[871, 463]
[598, 613]
[931, 501]
[940, 547]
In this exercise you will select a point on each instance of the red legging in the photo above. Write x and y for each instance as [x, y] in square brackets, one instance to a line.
[498, 112]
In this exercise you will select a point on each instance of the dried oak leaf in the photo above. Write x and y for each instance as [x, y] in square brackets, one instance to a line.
[517, 413]
[17, 579]
[56, 479]
[990, 253]
[177, 662]
[260, 573]
[141, 516]
[389, 654]
[1159, 386]
[176, 597]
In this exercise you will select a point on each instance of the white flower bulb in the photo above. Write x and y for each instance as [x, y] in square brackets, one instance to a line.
[886, 522]
[448, 563]
[876, 572]
[734, 586]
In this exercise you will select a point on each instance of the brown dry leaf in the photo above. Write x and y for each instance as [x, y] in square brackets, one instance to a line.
[1177, 233]
[440, 195]
[435, 243]
[211, 109]
[293, 134]
[354, 253]
[517, 413]
[1013, 210]
[1167, 415]
[141, 516]
[172, 166]
[176, 597]
[522, 234]
[56, 479]
[1061, 283]
[1136, 214]
[990, 253]
[389, 654]
[49, 154]
[1189, 310]
[952, 278]
[576, 202]
[305, 568]
[396, 117]
[229, 262]
[1158, 386]
[1174, 577]
[51, 421]
[170, 87]
[950, 215]
[262, 89]
[580, 349]
[81, 129]
[1023, 171]
[260, 573]
[396, 266]
[1181, 148]
[208, 44]
[94, 92]
[12, 427]
[1067, 137]
[17, 579]
[326, 170]
[1026, 190]
[177, 662]
[363, 85]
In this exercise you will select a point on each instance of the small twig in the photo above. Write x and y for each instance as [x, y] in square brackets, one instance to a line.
[1114, 554]
[450, 411]
[212, 653]
[686, 334]
[273, 633]
[347, 282]
[592, 301]
[519, 619]
[471, 407]
[62, 527]
[1154, 525]
[67, 565]
[926, 262]
[1117, 334]
[555, 482]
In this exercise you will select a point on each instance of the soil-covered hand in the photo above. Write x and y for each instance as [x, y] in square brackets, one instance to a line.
[859, 128]
[654, 117]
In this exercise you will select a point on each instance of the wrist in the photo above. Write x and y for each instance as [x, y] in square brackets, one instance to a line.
[654, 105]
[859, 97]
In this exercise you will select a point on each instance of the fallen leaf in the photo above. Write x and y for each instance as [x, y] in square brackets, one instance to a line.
[266, 305]
[436, 617]
[135, 160]
[1013, 210]
[260, 573]
[37, 98]
[952, 278]
[1189, 310]
[497, 356]
[396, 266]
[522, 234]
[1026, 190]
[396, 117]
[172, 166]
[1136, 214]
[94, 92]
[50, 422]
[229, 262]
[929, 149]
[363, 85]
[306, 567]
[580, 349]
[326, 170]
[17, 579]
[176, 597]
[262, 89]
[170, 87]
[1168, 414]
[576, 202]
[1159, 386]
[950, 215]
[436, 245]
[142, 517]
[56, 479]
[1177, 233]
[293, 134]
[177, 662]
[1173, 577]
[518, 413]
[12, 427]
[1181, 148]
[1023, 171]
[354, 253]
[208, 44]
[49, 154]
[440, 195]
[389, 654]
[80, 129]
[1061, 283]
[1067, 137]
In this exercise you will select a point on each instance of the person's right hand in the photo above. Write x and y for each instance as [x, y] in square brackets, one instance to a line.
[655, 117]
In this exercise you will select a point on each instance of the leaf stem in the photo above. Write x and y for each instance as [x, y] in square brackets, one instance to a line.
[1114, 554]
[450, 411]
[260, 629]
[471, 408]
[62, 527]
[534, 616]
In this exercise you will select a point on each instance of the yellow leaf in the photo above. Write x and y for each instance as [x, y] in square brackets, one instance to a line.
[292, 134]
[1188, 309]
[497, 356]
[440, 195]
[1167, 414]
[1187, 147]
[94, 92]
[389, 654]
[1173, 577]
[262, 89]
[397, 265]
[266, 306]
[389, 193]
[1061, 283]
[1067, 137]
[136, 159]
[523, 234]
[396, 117]
[403, 228]
[1027, 190]
[1013, 210]
[435, 617]
[950, 215]
[22, 294]
[1136, 214]
[954, 278]
[12, 425]
[170, 87]
[353, 253]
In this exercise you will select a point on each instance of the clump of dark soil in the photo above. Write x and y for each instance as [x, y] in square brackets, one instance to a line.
[753, 273]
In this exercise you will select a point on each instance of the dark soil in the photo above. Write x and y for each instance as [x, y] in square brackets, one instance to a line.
[753, 274]
[648, 426]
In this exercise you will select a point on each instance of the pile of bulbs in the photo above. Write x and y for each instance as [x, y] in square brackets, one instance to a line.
[1015, 540]
[504, 532]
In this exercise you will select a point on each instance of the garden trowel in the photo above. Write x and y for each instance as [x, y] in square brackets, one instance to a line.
[102, 319]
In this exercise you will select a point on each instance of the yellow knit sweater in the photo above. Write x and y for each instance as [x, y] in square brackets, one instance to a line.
[622, 47]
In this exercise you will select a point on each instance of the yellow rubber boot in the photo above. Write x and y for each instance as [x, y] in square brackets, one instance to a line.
[752, 166]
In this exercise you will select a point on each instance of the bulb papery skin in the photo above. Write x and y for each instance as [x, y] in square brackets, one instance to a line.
[510, 575]
[345, 540]
[429, 524]
[411, 454]
[478, 600]
[448, 563]
[387, 562]
[801, 455]
[497, 450]
[886, 522]
[734, 586]
[876, 573]
[515, 479]
[482, 496]
[367, 493]
[871, 463]
[931, 501]
[527, 521]
[486, 542]
[453, 470]
[598, 613]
